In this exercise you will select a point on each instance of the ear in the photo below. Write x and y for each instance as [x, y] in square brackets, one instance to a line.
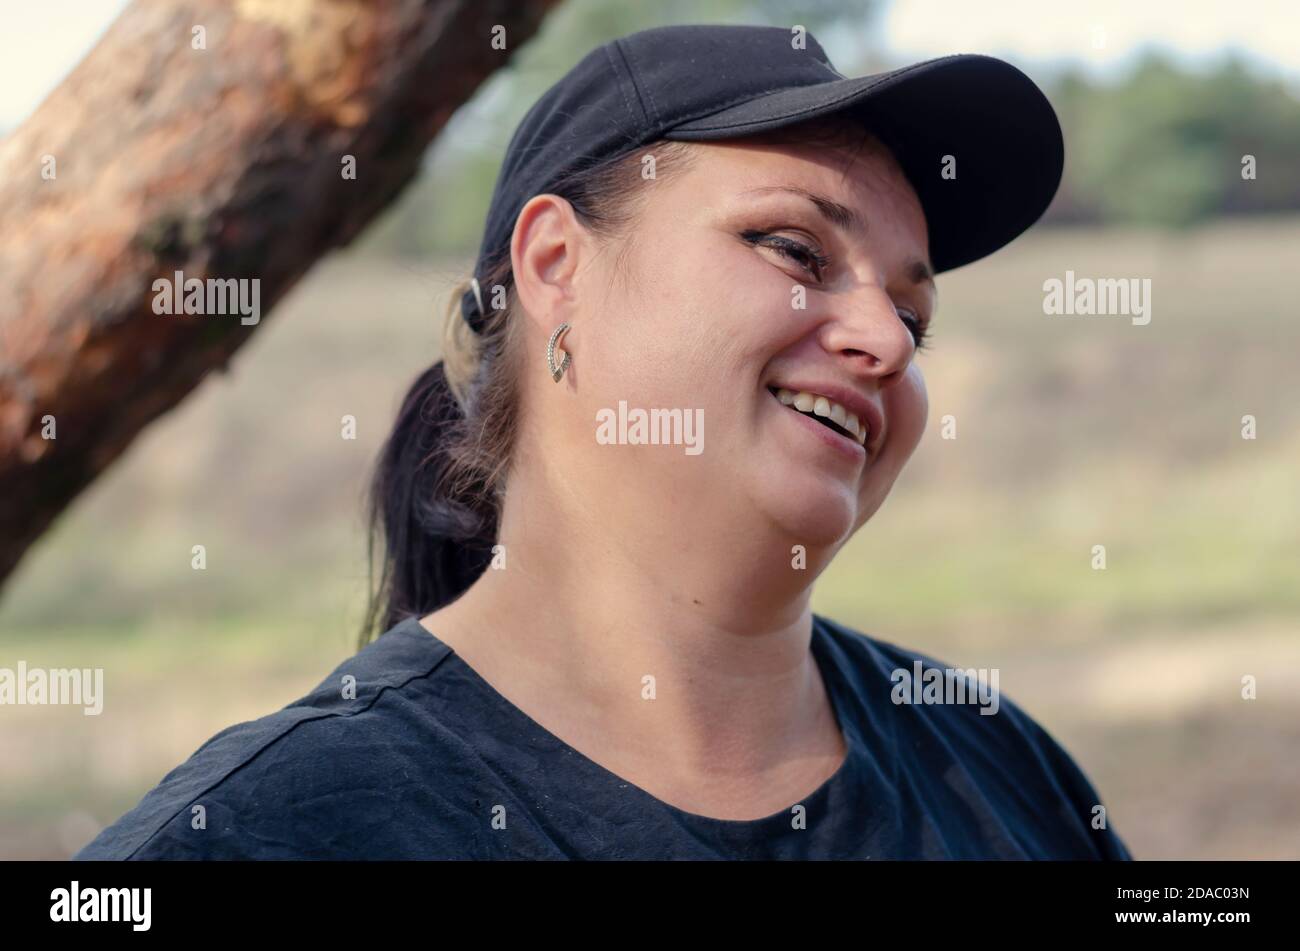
[545, 251]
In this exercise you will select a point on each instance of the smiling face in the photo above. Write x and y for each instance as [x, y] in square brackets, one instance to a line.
[760, 279]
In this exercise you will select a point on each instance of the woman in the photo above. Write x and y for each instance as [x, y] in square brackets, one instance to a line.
[682, 377]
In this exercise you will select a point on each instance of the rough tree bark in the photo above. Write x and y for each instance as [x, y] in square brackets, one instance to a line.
[220, 162]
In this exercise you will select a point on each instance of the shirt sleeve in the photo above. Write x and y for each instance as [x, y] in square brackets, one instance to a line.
[327, 788]
[237, 819]
[1079, 804]
[192, 834]
[228, 800]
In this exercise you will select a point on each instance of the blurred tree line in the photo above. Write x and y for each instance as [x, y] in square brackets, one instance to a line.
[1166, 147]
[1163, 147]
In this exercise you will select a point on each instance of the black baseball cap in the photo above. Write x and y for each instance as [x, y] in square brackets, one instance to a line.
[704, 83]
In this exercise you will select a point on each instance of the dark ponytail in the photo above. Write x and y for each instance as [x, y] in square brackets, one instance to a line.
[435, 542]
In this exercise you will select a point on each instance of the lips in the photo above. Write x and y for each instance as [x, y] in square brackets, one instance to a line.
[826, 411]
[843, 410]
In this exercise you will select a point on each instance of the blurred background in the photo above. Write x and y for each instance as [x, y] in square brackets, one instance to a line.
[1071, 433]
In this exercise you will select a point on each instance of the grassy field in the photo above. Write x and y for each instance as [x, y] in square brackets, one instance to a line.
[1072, 432]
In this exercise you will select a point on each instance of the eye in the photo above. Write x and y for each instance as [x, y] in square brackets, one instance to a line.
[806, 256]
[920, 332]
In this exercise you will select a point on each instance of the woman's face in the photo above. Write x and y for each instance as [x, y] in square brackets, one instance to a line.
[755, 268]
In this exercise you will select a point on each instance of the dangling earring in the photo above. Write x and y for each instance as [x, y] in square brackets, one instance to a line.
[557, 372]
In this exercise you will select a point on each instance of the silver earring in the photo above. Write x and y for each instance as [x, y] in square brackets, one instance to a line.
[557, 372]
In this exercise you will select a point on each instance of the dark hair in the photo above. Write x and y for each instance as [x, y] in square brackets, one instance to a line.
[436, 494]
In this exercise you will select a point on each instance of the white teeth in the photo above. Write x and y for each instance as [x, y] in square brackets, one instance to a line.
[822, 406]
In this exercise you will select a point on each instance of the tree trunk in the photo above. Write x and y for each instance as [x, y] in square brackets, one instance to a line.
[213, 138]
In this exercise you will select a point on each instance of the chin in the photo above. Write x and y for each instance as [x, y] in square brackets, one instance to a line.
[815, 516]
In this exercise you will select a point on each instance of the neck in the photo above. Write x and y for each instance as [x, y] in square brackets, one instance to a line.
[700, 656]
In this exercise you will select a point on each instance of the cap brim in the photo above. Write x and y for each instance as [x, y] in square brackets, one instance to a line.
[992, 119]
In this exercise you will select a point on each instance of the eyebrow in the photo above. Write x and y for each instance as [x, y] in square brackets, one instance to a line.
[846, 219]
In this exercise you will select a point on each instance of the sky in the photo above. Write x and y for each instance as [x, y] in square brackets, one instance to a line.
[41, 41]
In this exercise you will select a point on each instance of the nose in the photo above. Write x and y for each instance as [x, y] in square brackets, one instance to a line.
[870, 337]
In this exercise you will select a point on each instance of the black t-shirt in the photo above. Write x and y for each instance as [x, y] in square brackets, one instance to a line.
[426, 760]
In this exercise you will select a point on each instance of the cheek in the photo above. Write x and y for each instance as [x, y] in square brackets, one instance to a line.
[706, 311]
[660, 332]
[907, 406]
[906, 409]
